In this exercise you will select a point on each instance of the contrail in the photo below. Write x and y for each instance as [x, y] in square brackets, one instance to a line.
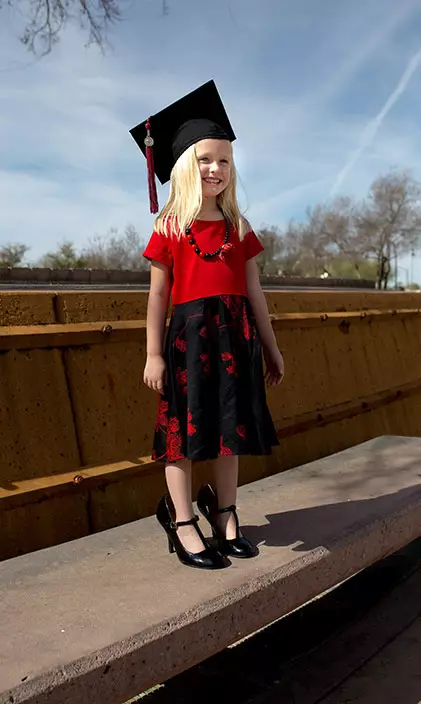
[371, 129]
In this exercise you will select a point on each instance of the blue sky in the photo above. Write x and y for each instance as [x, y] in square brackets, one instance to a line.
[303, 83]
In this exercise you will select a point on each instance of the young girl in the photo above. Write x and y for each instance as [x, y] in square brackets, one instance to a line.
[210, 372]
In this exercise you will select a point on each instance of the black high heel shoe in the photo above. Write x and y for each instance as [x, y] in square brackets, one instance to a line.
[207, 559]
[239, 546]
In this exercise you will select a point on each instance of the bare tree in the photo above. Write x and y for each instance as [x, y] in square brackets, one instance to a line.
[347, 236]
[304, 246]
[115, 251]
[297, 250]
[389, 222]
[315, 248]
[47, 19]
[327, 242]
[269, 260]
[13, 254]
[340, 235]
[292, 260]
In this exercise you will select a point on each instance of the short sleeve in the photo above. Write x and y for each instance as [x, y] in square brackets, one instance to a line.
[252, 245]
[159, 249]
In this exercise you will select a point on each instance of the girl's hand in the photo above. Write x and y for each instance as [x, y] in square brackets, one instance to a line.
[155, 373]
[274, 366]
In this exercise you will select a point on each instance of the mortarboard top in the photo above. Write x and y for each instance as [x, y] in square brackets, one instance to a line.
[199, 115]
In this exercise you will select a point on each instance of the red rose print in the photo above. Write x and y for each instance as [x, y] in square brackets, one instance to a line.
[224, 450]
[174, 448]
[161, 418]
[181, 344]
[206, 362]
[203, 332]
[217, 319]
[241, 431]
[191, 429]
[173, 425]
[181, 377]
[233, 304]
[228, 357]
[247, 329]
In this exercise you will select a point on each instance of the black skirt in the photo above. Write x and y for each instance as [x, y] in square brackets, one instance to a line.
[215, 400]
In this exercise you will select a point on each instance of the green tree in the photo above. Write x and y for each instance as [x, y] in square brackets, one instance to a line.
[346, 269]
[65, 257]
[13, 254]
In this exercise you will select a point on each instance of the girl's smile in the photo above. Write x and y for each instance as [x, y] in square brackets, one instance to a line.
[214, 159]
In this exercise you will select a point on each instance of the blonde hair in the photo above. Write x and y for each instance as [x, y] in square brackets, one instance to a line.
[185, 200]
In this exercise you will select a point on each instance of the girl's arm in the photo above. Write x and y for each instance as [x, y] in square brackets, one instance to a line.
[273, 357]
[154, 375]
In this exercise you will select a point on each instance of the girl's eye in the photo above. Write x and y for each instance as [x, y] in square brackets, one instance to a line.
[204, 158]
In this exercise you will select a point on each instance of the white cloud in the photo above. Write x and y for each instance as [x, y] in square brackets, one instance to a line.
[41, 213]
[370, 131]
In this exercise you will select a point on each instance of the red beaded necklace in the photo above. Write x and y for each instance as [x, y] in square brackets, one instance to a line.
[220, 252]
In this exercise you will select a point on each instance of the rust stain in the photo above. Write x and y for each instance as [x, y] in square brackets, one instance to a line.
[111, 385]
[344, 326]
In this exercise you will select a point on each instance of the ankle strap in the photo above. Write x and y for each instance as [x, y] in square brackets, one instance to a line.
[228, 509]
[190, 522]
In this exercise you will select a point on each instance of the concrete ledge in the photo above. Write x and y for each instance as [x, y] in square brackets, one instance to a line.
[104, 617]
[141, 276]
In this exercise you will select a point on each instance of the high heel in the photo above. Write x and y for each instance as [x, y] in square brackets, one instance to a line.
[207, 559]
[239, 546]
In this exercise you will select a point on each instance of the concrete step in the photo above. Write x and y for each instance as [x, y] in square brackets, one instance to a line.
[105, 617]
[311, 653]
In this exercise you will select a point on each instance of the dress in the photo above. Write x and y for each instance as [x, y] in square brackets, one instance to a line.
[214, 402]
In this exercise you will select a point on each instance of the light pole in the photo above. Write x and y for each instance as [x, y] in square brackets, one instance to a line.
[393, 245]
[403, 268]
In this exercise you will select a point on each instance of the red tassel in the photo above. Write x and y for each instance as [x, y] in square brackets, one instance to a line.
[153, 196]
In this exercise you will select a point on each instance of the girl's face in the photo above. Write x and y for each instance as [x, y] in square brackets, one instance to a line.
[214, 159]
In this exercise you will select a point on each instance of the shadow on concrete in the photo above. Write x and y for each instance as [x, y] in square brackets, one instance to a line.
[308, 528]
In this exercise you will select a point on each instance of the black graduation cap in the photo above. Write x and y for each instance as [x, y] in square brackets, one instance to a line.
[165, 136]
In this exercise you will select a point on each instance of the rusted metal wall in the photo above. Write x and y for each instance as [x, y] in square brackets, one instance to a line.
[76, 422]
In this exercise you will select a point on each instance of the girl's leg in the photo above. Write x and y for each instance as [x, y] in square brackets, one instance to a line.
[226, 481]
[179, 482]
